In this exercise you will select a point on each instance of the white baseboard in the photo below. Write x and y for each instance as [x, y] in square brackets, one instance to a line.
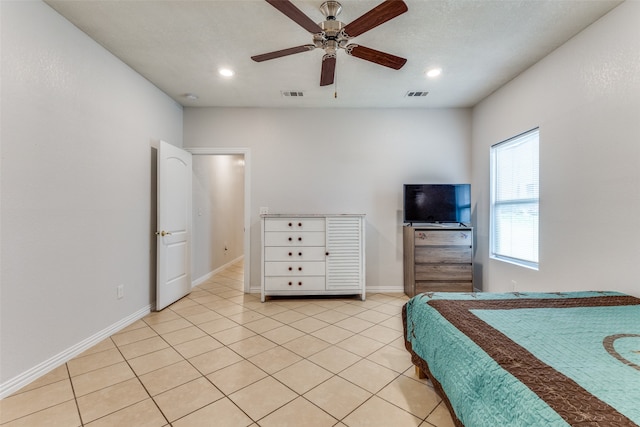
[202, 279]
[19, 381]
[376, 290]
[385, 290]
[209, 275]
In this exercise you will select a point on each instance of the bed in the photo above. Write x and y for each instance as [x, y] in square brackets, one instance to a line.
[529, 359]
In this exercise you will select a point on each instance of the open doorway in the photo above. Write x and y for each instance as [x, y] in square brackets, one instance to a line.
[220, 211]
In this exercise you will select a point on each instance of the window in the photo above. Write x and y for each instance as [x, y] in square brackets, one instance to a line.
[515, 200]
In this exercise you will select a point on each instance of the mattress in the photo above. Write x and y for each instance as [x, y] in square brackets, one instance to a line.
[530, 359]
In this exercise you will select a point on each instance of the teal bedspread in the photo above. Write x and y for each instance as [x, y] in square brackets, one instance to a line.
[530, 359]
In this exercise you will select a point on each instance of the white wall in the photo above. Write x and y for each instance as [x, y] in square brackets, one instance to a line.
[218, 212]
[585, 97]
[76, 212]
[340, 161]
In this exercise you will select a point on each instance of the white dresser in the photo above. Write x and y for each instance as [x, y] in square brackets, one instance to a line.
[313, 255]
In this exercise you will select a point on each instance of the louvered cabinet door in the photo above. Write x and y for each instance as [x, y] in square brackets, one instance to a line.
[345, 254]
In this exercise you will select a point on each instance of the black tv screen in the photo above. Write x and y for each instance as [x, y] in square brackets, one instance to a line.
[432, 203]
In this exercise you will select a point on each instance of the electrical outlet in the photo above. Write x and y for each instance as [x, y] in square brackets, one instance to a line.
[514, 285]
[264, 210]
[120, 291]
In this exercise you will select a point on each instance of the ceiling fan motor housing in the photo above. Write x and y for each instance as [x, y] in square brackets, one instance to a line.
[332, 36]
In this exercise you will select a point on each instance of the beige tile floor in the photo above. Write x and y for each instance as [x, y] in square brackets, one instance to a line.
[220, 357]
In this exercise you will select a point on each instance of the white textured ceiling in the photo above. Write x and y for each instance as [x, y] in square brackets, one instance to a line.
[179, 45]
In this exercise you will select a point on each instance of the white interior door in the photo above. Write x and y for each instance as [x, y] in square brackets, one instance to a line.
[174, 225]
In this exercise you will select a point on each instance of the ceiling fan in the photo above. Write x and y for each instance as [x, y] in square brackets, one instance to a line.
[331, 35]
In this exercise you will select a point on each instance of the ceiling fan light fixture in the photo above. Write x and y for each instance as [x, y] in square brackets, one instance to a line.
[434, 72]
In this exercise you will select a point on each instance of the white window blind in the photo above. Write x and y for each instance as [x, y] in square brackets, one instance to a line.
[515, 199]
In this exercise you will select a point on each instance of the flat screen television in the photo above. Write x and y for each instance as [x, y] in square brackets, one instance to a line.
[437, 203]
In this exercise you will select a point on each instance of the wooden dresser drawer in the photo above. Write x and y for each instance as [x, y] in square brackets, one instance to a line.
[293, 268]
[443, 237]
[294, 224]
[294, 283]
[443, 287]
[292, 238]
[445, 254]
[453, 272]
[302, 253]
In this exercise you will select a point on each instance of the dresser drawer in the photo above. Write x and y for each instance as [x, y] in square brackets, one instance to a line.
[443, 287]
[302, 268]
[294, 283]
[292, 238]
[444, 254]
[453, 272]
[443, 237]
[294, 224]
[302, 253]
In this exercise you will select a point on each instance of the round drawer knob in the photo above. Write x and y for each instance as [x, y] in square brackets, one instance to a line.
[290, 283]
[299, 224]
[299, 268]
[299, 253]
[327, 253]
[299, 239]
[290, 239]
[299, 283]
[290, 224]
[290, 268]
[290, 254]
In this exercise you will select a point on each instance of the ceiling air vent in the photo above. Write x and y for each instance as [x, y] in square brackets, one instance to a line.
[292, 93]
[416, 93]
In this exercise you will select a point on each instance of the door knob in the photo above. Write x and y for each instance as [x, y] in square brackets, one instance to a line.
[163, 233]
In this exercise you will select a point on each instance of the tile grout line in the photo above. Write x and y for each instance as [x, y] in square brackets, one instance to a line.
[73, 390]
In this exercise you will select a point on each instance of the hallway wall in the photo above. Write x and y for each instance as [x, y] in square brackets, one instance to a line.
[218, 212]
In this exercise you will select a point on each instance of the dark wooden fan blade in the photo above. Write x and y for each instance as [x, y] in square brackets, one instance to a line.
[283, 52]
[378, 15]
[381, 58]
[295, 14]
[328, 70]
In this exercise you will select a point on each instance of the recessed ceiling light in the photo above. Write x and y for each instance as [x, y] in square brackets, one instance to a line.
[226, 72]
[434, 72]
